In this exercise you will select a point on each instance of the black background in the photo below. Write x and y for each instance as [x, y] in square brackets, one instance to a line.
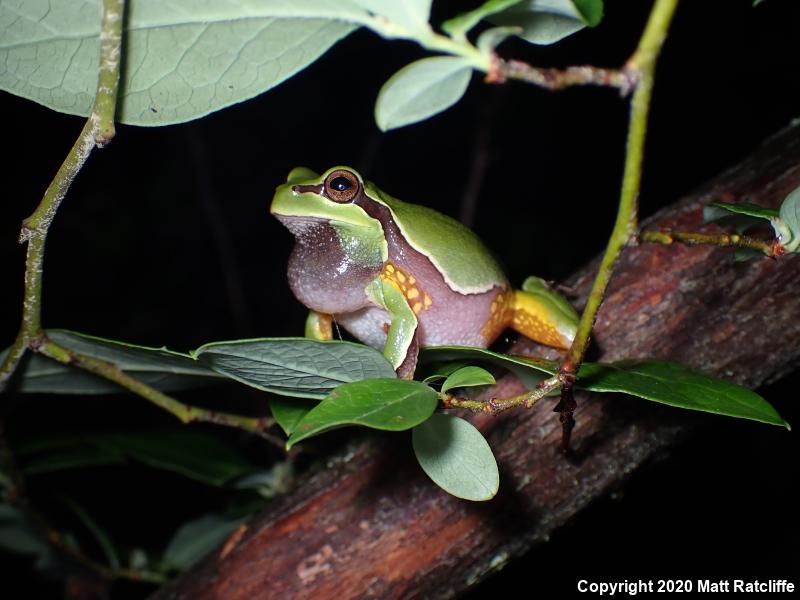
[165, 239]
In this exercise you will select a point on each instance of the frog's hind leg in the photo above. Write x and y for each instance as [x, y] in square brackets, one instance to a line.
[538, 317]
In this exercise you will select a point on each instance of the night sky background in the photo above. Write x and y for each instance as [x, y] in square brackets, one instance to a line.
[165, 239]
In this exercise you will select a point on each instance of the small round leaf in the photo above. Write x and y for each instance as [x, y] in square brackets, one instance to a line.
[420, 90]
[468, 377]
[456, 457]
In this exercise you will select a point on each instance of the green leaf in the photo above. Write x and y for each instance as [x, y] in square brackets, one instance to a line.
[289, 412]
[677, 385]
[295, 366]
[195, 454]
[183, 58]
[461, 24]
[196, 538]
[790, 217]
[548, 21]
[388, 404]
[468, 377]
[420, 90]
[714, 211]
[157, 367]
[456, 457]
[591, 11]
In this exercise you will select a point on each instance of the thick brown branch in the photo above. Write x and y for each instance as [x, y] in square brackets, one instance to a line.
[374, 526]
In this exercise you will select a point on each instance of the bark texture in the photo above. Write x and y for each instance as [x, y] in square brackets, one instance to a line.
[373, 526]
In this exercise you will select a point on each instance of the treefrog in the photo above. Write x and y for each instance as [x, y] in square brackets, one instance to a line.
[401, 276]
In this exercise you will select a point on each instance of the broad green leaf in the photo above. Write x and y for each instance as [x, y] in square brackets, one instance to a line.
[196, 538]
[420, 90]
[157, 367]
[456, 457]
[388, 404]
[548, 21]
[289, 412]
[183, 58]
[195, 454]
[461, 24]
[468, 377]
[294, 366]
[716, 210]
[677, 385]
[790, 217]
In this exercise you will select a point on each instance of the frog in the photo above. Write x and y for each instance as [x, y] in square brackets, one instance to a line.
[400, 276]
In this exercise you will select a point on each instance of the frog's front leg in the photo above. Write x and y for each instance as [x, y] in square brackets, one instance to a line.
[401, 347]
[319, 326]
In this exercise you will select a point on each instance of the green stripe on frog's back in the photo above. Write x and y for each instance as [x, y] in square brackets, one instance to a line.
[466, 265]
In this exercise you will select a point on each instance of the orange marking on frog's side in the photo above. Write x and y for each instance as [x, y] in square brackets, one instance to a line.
[407, 284]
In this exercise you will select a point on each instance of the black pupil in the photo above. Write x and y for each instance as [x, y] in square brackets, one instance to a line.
[340, 184]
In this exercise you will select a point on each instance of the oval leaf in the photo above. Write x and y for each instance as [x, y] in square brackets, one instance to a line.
[548, 21]
[677, 385]
[468, 377]
[295, 366]
[183, 58]
[388, 404]
[420, 90]
[716, 210]
[456, 457]
[790, 216]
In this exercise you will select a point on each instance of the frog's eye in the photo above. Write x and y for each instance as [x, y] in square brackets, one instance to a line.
[341, 186]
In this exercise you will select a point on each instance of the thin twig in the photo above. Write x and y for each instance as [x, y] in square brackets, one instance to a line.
[97, 131]
[624, 79]
[625, 227]
[184, 412]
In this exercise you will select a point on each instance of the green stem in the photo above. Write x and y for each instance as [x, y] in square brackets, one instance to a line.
[625, 226]
[528, 398]
[98, 130]
[773, 249]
